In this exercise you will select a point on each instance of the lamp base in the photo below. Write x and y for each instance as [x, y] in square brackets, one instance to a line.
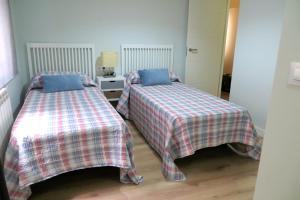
[111, 75]
[108, 72]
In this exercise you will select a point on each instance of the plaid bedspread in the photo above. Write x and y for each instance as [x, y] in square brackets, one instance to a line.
[177, 120]
[59, 132]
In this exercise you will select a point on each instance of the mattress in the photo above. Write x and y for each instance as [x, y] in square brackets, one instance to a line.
[60, 132]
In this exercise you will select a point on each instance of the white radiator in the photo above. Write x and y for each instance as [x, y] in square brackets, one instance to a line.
[136, 57]
[6, 116]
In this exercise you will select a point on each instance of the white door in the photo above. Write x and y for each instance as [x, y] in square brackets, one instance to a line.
[205, 42]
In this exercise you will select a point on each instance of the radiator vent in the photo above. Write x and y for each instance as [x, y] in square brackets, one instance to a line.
[6, 116]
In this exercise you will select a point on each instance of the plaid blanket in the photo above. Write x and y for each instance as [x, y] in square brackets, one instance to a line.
[59, 132]
[177, 120]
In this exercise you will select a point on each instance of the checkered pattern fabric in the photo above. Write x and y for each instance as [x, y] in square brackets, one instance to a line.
[59, 132]
[177, 120]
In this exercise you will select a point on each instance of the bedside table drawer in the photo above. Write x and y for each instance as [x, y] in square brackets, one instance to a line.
[113, 94]
[112, 85]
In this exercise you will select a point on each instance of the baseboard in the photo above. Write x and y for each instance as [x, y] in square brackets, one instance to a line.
[260, 131]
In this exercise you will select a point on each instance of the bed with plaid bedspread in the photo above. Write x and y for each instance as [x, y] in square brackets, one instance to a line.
[178, 120]
[64, 131]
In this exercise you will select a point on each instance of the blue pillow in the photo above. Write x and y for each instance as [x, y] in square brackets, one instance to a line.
[58, 83]
[154, 77]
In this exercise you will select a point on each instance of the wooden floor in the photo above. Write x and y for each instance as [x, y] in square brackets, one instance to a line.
[212, 174]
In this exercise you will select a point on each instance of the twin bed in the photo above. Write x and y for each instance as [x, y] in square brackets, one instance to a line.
[64, 131]
[177, 120]
[59, 132]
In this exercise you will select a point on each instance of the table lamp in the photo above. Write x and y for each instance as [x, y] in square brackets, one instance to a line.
[109, 61]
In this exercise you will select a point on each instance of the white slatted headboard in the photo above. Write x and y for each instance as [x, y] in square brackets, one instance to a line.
[136, 57]
[60, 57]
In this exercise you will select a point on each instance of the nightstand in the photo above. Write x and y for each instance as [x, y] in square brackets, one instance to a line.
[112, 87]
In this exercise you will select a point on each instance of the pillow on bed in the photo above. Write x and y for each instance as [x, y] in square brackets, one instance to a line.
[37, 81]
[58, 83]
[154, 77]
[135, 78]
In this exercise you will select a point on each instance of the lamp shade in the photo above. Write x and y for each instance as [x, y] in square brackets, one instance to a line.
[109, 59]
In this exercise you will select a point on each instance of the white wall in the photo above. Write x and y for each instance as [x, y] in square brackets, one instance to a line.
[258, 37]
[279, 176]
[106, 23]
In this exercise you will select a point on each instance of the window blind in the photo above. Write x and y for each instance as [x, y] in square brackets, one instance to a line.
[7, 49]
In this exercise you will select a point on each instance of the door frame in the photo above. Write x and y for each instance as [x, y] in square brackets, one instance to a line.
[224, 47]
